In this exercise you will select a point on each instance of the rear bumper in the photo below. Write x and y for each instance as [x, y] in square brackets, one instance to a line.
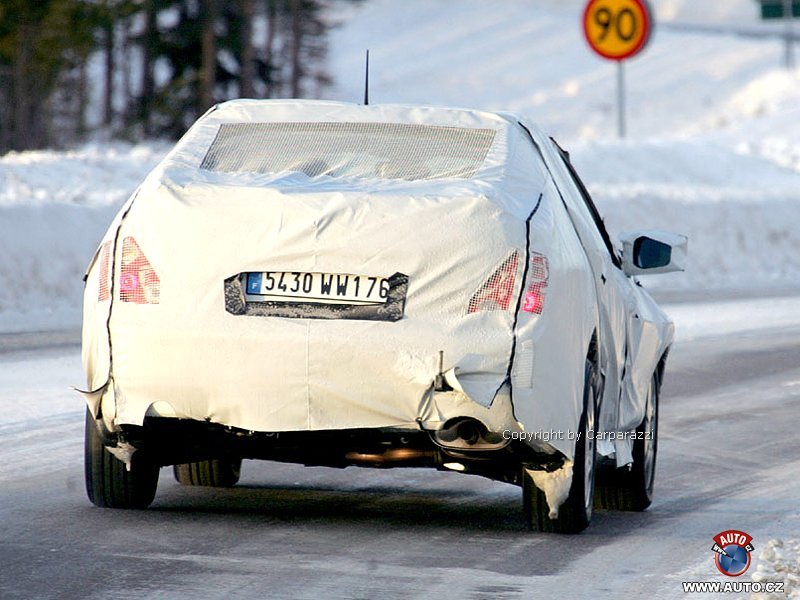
[278, 374]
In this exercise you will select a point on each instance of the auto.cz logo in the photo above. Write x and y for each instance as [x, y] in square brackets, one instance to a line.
[732, 558]
[732, 550]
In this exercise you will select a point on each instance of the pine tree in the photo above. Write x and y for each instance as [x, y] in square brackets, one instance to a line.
[42, 45]
[185, 54]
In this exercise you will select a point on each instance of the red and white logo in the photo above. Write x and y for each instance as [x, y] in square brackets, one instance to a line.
[732, 550]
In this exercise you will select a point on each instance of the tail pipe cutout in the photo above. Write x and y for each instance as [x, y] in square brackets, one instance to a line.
[467, 433]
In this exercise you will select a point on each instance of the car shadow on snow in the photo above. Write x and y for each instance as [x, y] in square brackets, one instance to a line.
[399, 498]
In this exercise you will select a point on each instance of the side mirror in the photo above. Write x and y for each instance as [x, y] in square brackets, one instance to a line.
[651, 252]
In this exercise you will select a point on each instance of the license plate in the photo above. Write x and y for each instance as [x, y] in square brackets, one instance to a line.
[325, 288]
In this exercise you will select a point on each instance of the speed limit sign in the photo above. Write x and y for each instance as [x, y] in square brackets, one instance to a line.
[617, 29]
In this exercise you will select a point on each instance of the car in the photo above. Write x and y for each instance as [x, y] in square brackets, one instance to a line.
[336, 284]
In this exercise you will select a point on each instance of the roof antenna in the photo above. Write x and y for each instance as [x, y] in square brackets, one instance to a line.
[366, 82]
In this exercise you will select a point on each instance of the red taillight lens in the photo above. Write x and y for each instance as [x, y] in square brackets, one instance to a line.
[539, 274]
[103, 293]
[138, 281]
[497, 292]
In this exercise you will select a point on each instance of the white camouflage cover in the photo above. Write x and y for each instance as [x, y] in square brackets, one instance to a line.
[447, 227]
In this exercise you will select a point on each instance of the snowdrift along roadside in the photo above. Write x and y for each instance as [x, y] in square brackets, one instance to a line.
[54, 209]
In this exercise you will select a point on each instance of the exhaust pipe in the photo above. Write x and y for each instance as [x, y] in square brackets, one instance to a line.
[467, 433]
[391, 456]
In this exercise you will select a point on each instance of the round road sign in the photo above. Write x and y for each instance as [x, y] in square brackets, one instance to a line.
[617, 29]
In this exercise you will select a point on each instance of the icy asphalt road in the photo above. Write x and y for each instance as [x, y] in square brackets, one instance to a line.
[728, 460]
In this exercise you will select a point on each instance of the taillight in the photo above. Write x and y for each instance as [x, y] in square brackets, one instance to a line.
[138, 281]
[539, 273]
[103, 293]
[497, 292]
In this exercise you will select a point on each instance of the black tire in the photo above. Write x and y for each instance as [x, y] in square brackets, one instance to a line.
[211, 473]
[632, 488]
[575, 513]
[109, 483]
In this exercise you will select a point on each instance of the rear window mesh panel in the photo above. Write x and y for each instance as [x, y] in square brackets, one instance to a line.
[352, 150]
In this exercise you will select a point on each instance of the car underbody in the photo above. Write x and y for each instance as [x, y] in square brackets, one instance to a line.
[167, 441]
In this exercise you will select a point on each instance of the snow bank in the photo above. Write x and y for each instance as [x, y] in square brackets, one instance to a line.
[54, 208]
[779, 561]
[696, 320]
[739, 207]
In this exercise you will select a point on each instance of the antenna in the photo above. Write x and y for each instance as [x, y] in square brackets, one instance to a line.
[366, 82]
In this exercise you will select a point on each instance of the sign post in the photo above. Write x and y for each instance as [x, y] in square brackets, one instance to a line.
[788, 16]
[621, 99]
[786, 10]
[617, 30]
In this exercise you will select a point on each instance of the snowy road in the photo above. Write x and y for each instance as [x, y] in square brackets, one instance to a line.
[728, 460]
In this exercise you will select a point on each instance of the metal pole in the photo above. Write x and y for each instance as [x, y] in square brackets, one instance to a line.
[366, 81]
[621, 99]
[788, 18]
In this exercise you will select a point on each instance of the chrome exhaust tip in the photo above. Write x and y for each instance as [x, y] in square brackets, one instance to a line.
[467, 433]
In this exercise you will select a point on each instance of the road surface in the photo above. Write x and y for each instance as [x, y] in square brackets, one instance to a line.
[728, 460]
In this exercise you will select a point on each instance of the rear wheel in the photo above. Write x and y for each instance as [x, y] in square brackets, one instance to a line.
[215, 472]
[632, 488]
[109, 483]
[575, 513]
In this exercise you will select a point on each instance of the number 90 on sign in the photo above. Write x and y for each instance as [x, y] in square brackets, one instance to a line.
[617, 29]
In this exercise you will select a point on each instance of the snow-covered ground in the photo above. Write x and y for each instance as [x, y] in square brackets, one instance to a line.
[697, 320]
[712, 151]
[54, 208]
[779, 561]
